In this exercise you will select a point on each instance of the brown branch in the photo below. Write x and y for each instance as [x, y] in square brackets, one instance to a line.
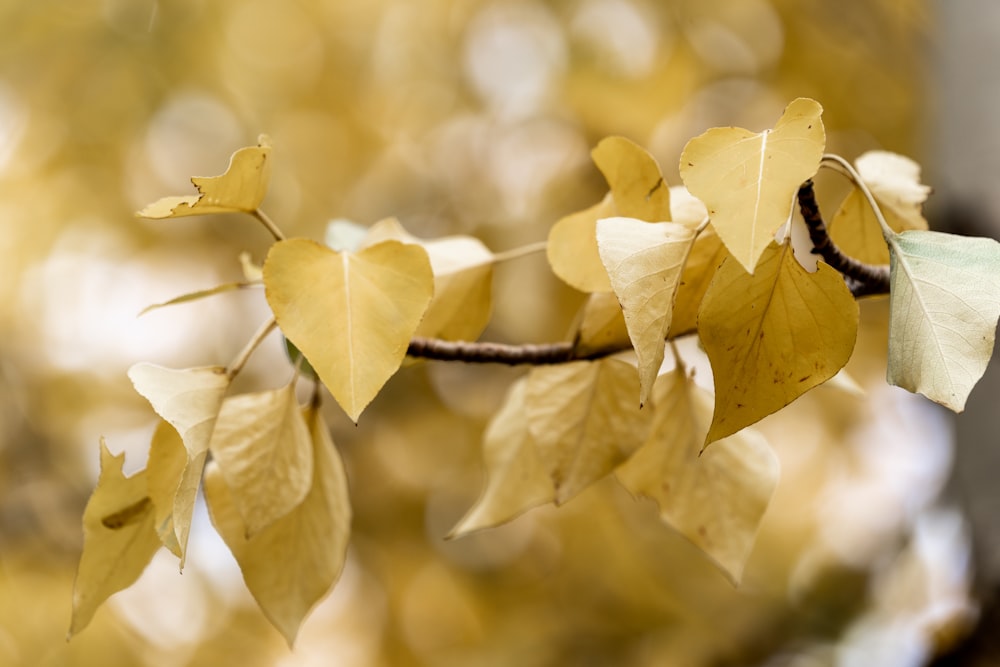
[491, 353]
[863, 279]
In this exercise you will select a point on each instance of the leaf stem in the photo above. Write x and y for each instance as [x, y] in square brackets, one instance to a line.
[236, 365]
[268, 223]
[848, 170]
[523, 251]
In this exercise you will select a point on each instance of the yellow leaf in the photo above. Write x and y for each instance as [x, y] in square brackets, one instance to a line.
[715, 499]
[251, 272]
[241, 188]
[119, 538]
[644, 261]
[601, 325]
[943, 311]
[894, 180]
[706, 256]
[516, 479]
[290, 565]
[263, 448]
[637, 186]
[748, 181]
[584, 420]
[164, 471]
[351, 314]
[773, 335]
[463, 281]
[572, 248]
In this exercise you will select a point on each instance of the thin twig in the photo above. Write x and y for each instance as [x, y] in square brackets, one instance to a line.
[499, 353]
[523, 251]
[863, 279]
[268, 223]
[241, 359]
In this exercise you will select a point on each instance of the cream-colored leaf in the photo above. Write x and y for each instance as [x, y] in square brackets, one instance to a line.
[351, 314]
[293, 563]
[252, 273]
[706, 257]
[263, 448]
[200, 294]
[748, 181]
[944, 304]
[685, 208]
[584, 420]
[636, 183]
[463, 281]
[189, 398]
[119, 538]
[644, 261]
[716, 499]
[572, 248]
[241, 188]
[516, 479]
[773, 335]
[601, 325]
[894, 180]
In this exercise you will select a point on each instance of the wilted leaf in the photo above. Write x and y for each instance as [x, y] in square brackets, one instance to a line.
[894, 180]
[717, 499]
[263, 448]
[943, 309]
[241, 188]
[637, 186]
[200, 294]
[644, 261]
[119, 538]
[351, 315]
[463, 281]
[290, 565]
[706, 256]
[516, 479]
[773, 335]
[748, 181]
[189, 400]
[601, 325]
[584, 420]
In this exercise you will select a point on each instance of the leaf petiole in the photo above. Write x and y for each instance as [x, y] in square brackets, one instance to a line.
[236, 365]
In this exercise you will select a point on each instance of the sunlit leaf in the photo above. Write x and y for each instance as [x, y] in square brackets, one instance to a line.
[290, 565]
[463, 281]
[119, 538]
[263, 448]
[189, 400]
[773, 335]
[943, 313]
[715, 499]
[637, 186]
[894, 180]
[200, 294]
[706, 256]
[584, 420]
[516, 479]
[601, 325]
[748, 181]
[644, 261]
[241, 188]
[351, 315]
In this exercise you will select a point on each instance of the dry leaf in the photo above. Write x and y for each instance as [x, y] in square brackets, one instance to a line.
[351, 314]
[748, 181]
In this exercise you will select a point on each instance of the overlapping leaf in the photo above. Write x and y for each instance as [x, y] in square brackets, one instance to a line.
[584, 420]
[716, 500]
[748, 180]
[240, 189]
[944, 308]
[463, 281]
[600, 325]
[291, 564]
[264, 451]
[119, 538]
[706, 257]
[189, 400]
[894, 180]
[351, 314]
[773, 335]
[637, 191]
[165, 472]
[516, 478]
[644, 262]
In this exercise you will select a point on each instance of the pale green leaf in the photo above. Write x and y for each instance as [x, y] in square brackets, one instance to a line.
[944, 305]
[351, 314]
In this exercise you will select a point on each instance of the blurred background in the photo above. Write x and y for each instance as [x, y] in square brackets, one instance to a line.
[473, 117]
